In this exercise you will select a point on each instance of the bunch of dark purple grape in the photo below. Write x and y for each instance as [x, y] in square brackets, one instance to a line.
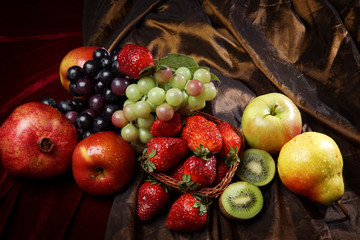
[98, 89]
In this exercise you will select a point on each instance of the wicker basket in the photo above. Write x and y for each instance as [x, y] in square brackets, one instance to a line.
[212, 192]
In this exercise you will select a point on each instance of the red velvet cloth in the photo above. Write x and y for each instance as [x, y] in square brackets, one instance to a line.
[34, 37]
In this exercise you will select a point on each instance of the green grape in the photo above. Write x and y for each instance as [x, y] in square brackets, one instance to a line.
[130, 132]
[162, 76]
[118, 119]
[145, 84]
[146, 122]
[177, 80]
[128, 101]
[185, 97]
[145, 135]
[165, 112]
[156, 96]
[142, 109]
[196, 103]
[129, 112]
[203, 75]
[132, 92]
[209, 92]
[174, 96]
[185, 72]
[152, 106]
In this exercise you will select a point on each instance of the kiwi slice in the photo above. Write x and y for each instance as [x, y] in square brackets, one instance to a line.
[241, 200]
[256, 167]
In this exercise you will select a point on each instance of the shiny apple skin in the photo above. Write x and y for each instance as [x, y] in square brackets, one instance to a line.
[103, 163]
[268, 128]
[19, 137]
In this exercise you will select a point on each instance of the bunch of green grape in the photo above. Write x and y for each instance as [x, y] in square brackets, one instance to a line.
[159, 96]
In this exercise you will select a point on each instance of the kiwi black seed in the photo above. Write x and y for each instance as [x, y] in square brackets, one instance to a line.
[256, 167]
[241, 200]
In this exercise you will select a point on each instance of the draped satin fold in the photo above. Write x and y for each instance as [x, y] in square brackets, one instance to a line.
[307, 50]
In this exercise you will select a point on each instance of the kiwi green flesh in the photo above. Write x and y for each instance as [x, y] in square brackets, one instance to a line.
[241, 200]
[257, 167]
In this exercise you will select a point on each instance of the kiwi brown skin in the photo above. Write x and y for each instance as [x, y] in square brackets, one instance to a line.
[222, 209]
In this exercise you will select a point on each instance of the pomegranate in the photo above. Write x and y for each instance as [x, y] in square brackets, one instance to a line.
[37, 141]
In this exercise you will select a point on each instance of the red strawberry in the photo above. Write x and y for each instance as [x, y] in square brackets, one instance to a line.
[231, 142]
[168, 128]
[177, 172]
[133, 58]
[201, 171]
[164, 153]
[201, 134]
[221, 170]
[152, 199]
[187, 214]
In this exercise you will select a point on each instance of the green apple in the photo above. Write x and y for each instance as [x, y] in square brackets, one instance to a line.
[269, 121]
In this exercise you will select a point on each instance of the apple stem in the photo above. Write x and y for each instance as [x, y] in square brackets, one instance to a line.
[45, 145]
[273, 110]
[343, 209]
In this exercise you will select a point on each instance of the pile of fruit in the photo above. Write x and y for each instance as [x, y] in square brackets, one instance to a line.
[125, 99]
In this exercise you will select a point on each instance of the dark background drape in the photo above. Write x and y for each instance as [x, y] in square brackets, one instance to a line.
[306, 49]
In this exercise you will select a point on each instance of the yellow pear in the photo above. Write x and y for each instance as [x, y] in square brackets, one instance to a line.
[311, 165]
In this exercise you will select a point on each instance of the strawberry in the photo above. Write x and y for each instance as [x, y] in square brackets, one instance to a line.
[133, 59]
[231, 143]
[152, 199]
[163, 153]
[202, 135]
[188, 213]
[177, 172]
[168, 128]
[221, 170]
[201, 171]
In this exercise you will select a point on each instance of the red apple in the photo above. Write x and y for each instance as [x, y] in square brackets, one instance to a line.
[103, 163]
[269, 121]
[36, 141]
[76, 57]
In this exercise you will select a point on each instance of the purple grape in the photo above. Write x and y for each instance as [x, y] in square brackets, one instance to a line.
[79, 105]
[65, 106]
[84, 121]
[86, 133]
[110, 109]
[99, 87]
[106, 76]
[101, 123]
[85, 86]
[119, 85]
[73, 90]
[109, 96]
[100, 53]
[72, 116]
[91, 68]
[91, 112]
[74, 73]
[49, 101]
[106, 62]
[96, 102]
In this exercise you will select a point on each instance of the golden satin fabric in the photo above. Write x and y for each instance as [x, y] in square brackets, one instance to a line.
[306, 49]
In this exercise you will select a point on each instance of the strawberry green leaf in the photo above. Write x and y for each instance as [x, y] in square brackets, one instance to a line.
[152, 154]
[146, 71]
[174, 61]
